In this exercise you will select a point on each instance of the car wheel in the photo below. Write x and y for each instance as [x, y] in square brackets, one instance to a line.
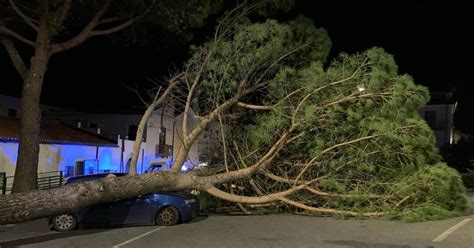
[64, 222]
[167, 216]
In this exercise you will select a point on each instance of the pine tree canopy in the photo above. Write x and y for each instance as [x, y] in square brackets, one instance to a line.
[355, 130]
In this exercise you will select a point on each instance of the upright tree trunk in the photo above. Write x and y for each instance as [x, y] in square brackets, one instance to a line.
[138, 140]
[158, 101]
[181, 156]
[30, 113]
[30, 118]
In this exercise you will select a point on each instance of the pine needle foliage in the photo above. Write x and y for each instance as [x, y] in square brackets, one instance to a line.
[357, 135]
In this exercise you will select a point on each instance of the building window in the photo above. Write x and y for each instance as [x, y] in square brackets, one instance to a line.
[430, 118]
[162, 140]
[12, 112]
[132, 132]
[69, 171]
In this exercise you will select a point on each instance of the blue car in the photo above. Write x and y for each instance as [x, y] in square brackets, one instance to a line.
[164, 209]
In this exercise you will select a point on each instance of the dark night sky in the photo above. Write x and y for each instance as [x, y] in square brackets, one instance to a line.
[431, 41]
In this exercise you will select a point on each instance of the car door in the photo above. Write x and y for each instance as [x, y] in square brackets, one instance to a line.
[96, 216]
[131, 211]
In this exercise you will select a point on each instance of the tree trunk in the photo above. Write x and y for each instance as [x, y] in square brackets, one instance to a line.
[181, 157]
[158, 101]
[139, 137]
[36, 204]
[30, 118]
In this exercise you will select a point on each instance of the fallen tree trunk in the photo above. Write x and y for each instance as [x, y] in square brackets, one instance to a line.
[343, 140]
[36, 204]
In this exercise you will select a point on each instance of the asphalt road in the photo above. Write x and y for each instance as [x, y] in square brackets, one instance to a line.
[254, 231]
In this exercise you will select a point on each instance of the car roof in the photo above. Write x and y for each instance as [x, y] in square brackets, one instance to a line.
[91, 177]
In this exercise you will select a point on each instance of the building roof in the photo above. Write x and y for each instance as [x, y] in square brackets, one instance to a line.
[52, 133]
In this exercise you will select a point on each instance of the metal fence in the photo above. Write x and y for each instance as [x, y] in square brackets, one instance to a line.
[50, 180]
[46, 180]
[3, 183]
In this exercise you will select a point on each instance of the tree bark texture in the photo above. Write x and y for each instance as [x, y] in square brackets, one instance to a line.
[36, 204]
[138, 140]
[30, 117]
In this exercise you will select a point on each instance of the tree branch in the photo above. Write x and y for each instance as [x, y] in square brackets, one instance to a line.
[349, 142]
[9, 32]
[264, 161]
[278, 178]
[328, 210]
[255, 107]
[110, 20]
[326, 86]
[85, 33]
[157, 101]
[116, 28]
[190, 95]
[15, 56]
[62, 11]
[352, 97]
[89, 31]
[201, 126]
[25, 18]
[211, 189]
[332, 148]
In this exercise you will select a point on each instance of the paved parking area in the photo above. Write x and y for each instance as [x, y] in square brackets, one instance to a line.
[255, 231]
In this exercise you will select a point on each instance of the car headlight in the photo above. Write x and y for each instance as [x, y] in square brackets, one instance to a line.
[190, 201]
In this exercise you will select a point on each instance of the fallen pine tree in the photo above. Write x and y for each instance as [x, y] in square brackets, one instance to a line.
[342, 138]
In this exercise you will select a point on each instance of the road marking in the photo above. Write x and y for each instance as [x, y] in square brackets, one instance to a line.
[444, 235]
[137, 237]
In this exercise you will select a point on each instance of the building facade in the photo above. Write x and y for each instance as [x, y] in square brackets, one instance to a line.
[161, 141]
[61, 148]
[439, 115]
